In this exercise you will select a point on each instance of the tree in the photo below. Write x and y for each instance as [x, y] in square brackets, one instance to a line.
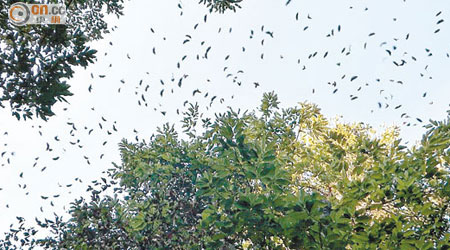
[268, 179]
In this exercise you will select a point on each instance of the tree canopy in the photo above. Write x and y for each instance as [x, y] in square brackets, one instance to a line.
[271, 178]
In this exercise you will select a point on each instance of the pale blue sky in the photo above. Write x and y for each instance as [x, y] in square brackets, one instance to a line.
[284, 76]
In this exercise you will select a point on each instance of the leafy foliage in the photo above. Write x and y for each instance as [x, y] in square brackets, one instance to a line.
[271, 179]
[36, 60]
[221, 5]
